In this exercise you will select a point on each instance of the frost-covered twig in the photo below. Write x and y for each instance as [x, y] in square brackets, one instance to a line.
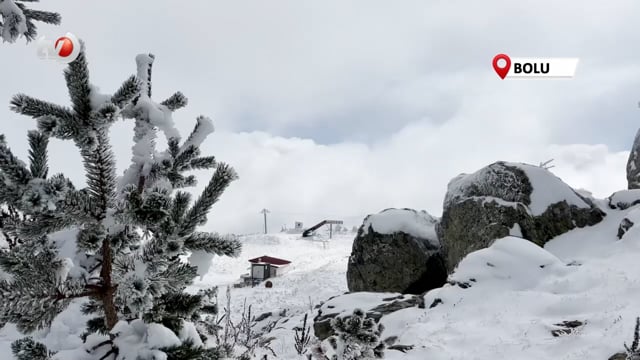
[302, 336]
[633, 351]
[239, 337]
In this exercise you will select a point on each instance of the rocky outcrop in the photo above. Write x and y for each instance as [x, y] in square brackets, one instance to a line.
[624, 226]
[629, 223]
[633, 164]
[624, 199]
[396, 250]
[379, 305]
[509, 199]
[619, 356]
[567, 327]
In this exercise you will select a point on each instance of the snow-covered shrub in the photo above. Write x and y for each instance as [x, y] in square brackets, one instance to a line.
[234, 337]
[302, 336]
[357, 337]
[120, 242]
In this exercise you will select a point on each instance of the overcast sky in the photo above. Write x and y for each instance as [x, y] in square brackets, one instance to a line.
[344, 108]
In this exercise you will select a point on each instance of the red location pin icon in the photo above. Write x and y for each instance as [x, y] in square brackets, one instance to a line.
[504, 70]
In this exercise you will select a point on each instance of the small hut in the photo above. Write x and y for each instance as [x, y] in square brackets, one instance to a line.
[265, 267]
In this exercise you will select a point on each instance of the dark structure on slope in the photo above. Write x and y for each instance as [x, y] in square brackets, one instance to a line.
[308, 232]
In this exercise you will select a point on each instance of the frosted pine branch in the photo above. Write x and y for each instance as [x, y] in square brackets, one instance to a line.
[180, 205]
[28, 349]
[38, 154]
[13, 169]
[46, 224]
[197, 215]
[175, 278]
[213, 243]
[201, 163]
[127, 91]
[176, 101]
[204, 127]
[77, 77]
[17, 20]
[26, 105]
[185, 156]
[100, 166]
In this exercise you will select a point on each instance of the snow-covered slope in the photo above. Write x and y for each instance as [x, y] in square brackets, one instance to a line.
[317, 272]
[518, 295]
[522, 291]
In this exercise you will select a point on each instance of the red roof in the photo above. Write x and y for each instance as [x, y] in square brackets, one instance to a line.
[270, 260]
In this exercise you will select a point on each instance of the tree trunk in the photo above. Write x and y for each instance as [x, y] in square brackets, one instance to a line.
[108, 289]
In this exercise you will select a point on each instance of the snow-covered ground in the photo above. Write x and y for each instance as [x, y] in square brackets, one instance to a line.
[317, 272]
[518, 293]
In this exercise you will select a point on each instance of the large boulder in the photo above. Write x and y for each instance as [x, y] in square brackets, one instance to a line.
[396, 250]
[505, 199]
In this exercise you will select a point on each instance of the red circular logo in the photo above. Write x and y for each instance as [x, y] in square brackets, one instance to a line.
[64, 46]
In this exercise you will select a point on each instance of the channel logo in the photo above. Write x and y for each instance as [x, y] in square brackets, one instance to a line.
[64, 49]
[527, 68]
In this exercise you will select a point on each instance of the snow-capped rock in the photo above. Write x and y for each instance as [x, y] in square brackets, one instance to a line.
[396, 250]
[487, 204]
[390, 221]
[375, 305]
[624, 199]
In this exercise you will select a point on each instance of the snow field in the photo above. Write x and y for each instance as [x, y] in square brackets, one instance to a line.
[518, 293]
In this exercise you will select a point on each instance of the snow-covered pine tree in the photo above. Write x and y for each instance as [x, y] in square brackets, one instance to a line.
[18, 20]
[130, 235]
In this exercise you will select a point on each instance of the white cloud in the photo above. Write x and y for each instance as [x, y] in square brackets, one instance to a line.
[403, 92]
[298, 179]
[312, 182]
